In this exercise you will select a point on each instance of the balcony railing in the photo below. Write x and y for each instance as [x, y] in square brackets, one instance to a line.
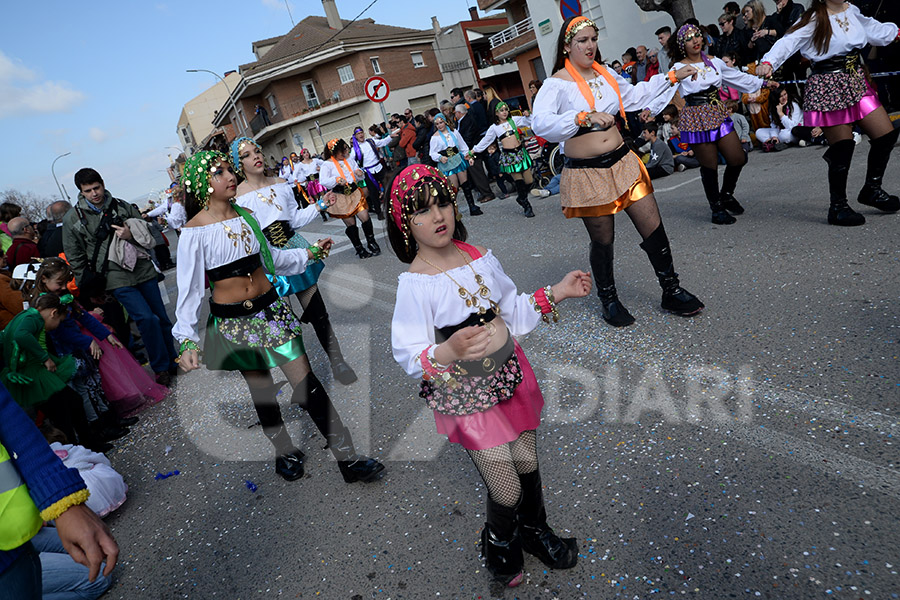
[511, 33]
[298, 107]
[455, 66]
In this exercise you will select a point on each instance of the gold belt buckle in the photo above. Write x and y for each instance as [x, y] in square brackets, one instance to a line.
[248, 304]
[451, 153]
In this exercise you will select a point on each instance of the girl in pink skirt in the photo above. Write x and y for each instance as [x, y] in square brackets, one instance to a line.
[839, 95]
[453, 323]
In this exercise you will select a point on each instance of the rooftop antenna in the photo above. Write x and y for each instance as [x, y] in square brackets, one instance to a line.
[288, 7]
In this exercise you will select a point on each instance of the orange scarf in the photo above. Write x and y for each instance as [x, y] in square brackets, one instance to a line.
[341, 171]
[585, 89]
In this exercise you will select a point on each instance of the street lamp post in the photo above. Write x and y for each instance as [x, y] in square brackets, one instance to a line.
[62, 191]
[230, 98]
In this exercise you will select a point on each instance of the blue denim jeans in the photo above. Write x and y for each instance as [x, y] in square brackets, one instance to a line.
[145, 305]
[553, 186]
[63, 578]
[22, 579]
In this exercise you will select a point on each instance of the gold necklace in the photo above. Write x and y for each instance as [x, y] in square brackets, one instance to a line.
[270, 200]
[244, 236]
[843, 23]
[596, 90]
[473, 300]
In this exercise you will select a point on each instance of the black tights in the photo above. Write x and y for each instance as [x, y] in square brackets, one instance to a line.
[644, 214]
[729, 146]
[501, 466]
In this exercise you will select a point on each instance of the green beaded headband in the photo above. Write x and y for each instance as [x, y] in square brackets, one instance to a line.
[197, 172]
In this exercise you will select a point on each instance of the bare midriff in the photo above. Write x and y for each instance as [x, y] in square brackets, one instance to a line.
[499, 337]
[510, 142]
[238, 289]
[594, 143]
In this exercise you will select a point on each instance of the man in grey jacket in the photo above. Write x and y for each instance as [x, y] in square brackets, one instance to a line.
[88, 230]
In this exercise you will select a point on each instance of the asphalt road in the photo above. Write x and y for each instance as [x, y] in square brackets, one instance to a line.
[748, 452]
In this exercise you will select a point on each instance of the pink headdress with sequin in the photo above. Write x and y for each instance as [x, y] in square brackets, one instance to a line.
[682, 35]
[408, 183]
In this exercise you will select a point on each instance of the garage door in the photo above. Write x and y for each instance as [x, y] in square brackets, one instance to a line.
[341, 128]
[422, 105]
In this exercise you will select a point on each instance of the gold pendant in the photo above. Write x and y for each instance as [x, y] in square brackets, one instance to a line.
[488, 364]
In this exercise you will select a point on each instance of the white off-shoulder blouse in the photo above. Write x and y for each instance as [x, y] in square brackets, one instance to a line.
[428, 301]
[302, 171]
[850, 30]
[439, 143]
[559, 101]
[210, 246]
[495, 131]
[716, 76]
[276, 202]
[329, 174]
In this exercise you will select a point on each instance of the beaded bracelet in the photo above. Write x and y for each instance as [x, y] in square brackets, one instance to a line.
[673, 78]
[318, 252]
[185, 346]
[545, 303]
[583, 119]
[434, 371]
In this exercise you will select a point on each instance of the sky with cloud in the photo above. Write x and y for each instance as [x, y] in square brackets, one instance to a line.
[106, 80]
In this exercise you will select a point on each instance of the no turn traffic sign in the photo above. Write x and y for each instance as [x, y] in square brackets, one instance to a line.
[377, 89]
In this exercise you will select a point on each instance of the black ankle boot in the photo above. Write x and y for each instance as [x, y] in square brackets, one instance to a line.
[501, 546]
[311, 395]
[352, 234]
[872, 194]
[675, 299]
[710, 179]
[317, 315]
[839, 156]
[290, 465]
[729, 184]
[522, 197]
[289, 461]
[474, 211]
[369, 231]
[538, 539]
[614, 312]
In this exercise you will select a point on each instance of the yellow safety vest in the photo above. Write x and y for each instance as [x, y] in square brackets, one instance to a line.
[19, 517]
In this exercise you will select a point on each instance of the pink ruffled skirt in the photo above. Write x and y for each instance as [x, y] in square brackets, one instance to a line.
[851, 114]
[502, 423]
[314, 188]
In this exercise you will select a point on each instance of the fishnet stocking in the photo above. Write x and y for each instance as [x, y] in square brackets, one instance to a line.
[500, 466]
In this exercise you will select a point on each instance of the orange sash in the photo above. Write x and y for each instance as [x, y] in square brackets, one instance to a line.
[585, 89]
[341, 171]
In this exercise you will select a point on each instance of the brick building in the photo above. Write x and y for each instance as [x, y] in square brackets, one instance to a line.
[311, 81]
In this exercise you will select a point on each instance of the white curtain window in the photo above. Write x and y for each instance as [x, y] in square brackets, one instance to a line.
[376, 66]
[309, 91]
[345, 73]
[417, 60]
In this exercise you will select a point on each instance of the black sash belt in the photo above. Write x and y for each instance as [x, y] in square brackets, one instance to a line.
[594, 127]
[239, 268]
[245, 308]
[848, 63]
[490, 363]
[708, 96]
[278, 233]
[345, 189]
[604, 161]
[442, 334]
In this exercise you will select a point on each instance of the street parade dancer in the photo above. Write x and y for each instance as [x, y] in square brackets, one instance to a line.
[704, 123]
[601, 176]
[250, 328]
[271, 201]
[839, 94]
[454, 318]
[366, 154]
[514, 158]
[341, 174]
[447, 148]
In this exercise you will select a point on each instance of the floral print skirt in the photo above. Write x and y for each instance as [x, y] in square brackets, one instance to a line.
[261, 341]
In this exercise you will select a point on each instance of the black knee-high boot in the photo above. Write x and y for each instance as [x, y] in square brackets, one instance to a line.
[369, 231]
[839, 156]
[538, 539]
[289, 461]
[522, 197]
[317, 315]
[675, 299]
[710, 179]
[501, 545]
[729, 184]
[310, 394]
[872, 193]
[614, 312]
[352, 234]
[474, 210]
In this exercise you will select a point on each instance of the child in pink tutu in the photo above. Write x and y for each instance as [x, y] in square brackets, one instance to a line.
[127, 386]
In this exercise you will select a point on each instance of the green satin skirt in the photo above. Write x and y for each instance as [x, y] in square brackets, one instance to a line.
[259, 342]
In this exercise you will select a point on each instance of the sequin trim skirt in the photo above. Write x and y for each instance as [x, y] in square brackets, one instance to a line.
[264, 340]
[599, 192]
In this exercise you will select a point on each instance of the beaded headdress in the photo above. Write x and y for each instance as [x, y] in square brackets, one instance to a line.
[576, 25]
[197, 171]
[439, 116]
[416, 180]
[332, 143]
[236, 147]
[682, 36]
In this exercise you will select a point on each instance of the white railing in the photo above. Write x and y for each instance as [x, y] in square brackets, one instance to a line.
[511, 33]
